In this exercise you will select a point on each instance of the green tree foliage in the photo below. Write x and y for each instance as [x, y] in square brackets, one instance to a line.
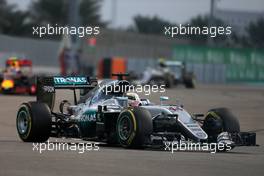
[49, 11]
[150, 25]
[155, 25]
[256, 34]
[89, 12]
[13, 21]
[203, 21]
[4, 12]
[41, 12]
[56, 11]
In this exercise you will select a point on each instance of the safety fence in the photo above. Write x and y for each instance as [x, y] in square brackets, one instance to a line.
[222, 64]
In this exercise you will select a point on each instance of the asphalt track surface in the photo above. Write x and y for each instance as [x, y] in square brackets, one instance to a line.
[247, 102]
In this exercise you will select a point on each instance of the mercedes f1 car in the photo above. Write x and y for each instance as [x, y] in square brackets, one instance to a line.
[168, 73]
[109, 114]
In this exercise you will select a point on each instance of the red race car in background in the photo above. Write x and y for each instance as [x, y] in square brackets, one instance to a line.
[17, 78]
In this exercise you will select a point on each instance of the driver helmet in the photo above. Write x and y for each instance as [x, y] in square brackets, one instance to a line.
[133, 99]
[162, 62]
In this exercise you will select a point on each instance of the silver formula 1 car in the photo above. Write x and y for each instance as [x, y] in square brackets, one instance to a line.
[109, 114]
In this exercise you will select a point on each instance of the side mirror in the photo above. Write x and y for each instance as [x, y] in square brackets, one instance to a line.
[163, 99]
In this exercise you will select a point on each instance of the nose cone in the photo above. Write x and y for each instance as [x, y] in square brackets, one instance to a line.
[190, 126]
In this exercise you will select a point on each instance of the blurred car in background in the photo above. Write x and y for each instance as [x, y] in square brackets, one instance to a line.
[180, 74]
[17, 77]
[168, 73]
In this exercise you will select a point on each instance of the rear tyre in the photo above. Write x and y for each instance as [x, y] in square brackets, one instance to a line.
[33, 122]
[189, 83]
[189, 80]
[134, 127]
[169, 81]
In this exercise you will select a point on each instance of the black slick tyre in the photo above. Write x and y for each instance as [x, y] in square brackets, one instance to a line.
[134, 127]
[220, 120]
[33, 122]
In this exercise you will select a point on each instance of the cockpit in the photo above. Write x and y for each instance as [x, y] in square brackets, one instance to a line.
[108, 89]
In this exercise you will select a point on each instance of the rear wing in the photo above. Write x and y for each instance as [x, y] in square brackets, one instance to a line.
[46, 87]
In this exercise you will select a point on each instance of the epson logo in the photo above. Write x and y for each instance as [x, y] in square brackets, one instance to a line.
[48, 89]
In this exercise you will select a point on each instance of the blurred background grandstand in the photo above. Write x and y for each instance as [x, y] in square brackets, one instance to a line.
[134, 31]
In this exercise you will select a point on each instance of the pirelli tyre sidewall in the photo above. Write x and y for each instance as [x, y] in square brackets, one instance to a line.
[33, 122]
[133, 128]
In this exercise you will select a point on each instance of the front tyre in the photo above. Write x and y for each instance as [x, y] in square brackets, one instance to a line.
[220, 120]
[33, 122]
[134, 127]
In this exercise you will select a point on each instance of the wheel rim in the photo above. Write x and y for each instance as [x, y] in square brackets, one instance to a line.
[22, 122]
[125, 128]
